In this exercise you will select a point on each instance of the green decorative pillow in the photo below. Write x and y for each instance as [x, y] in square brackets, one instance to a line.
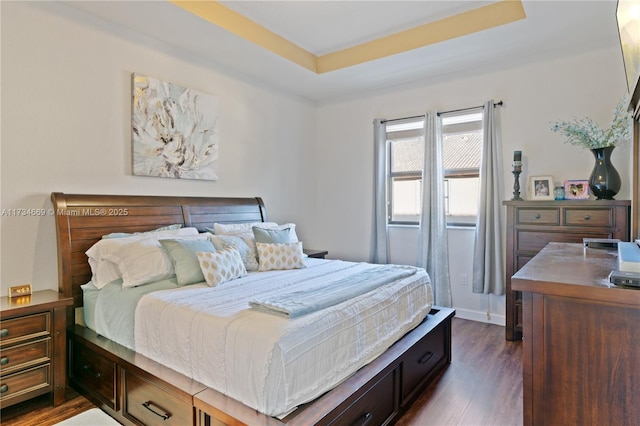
[221, 266]
[185, 260]
[271, 236]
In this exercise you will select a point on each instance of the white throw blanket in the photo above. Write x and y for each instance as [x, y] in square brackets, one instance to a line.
[294, 303]
[269, 362]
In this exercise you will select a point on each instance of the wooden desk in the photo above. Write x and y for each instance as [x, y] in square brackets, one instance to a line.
[581, 339]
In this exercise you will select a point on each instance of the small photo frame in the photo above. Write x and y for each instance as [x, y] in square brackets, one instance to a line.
[541, 187]
[576, 189]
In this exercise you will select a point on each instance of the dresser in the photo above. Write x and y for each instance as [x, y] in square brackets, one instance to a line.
[533, 224]
[33, 347]
[580, 348]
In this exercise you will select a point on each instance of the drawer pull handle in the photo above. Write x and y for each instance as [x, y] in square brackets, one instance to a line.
[163, 416]
[537, 216]
[90, 372]
[425, 358]
[4, 388]
[587, 217]
[4, 332]
[363, 419]
[4, 360]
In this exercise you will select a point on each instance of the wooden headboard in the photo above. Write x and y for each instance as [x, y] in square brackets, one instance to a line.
[81, 220]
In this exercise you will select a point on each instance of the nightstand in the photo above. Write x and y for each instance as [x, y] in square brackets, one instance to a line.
[318, 254]
[33, 347]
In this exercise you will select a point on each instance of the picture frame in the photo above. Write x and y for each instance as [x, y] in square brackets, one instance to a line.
[576, 189]
[541, 187]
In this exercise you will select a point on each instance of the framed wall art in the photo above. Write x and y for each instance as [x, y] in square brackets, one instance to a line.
[174, 130]
[541, 187]
[576, 189]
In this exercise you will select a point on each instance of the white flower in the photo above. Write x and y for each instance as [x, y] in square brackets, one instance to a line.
[587, 134]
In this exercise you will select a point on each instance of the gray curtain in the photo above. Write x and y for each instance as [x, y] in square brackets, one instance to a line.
[380, 246]
[488, 274]
[433, 252]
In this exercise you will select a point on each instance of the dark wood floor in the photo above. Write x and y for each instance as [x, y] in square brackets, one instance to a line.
[482, 386]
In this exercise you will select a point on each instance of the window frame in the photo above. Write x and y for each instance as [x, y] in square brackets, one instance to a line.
[448, 173]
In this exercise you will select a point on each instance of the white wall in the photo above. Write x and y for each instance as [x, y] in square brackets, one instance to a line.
[66, 96]
[534, 95]
[66, 127]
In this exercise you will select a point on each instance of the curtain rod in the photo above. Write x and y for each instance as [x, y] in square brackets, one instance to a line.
[497, 104]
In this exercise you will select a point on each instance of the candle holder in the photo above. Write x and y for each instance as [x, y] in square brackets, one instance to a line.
[517, 169]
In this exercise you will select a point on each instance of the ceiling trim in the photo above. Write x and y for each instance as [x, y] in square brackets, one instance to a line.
[241, 26]
[475, 20]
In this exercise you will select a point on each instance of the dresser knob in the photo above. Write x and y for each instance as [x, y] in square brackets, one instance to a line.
[587, 217]
[537, 215]
[4, 360]
[4, 388]
[4, 332]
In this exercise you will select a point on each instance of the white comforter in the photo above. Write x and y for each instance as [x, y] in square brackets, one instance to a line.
[268, 362]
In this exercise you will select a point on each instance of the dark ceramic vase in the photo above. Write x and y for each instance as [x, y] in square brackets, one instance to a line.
[604, 181]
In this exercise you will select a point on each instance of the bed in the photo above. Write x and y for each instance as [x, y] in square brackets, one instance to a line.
[143, 389]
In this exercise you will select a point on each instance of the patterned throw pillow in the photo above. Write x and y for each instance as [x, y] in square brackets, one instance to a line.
[221, 266]
[221, 242]
[280, 256]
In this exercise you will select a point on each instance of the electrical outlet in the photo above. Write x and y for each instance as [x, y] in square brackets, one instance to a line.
[464, 279]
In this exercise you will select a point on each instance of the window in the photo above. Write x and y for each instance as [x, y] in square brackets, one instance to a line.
[462, 145]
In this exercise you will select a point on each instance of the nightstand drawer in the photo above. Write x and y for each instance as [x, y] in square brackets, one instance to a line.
[20, 329]
[538, 216]
[589, 217]
[148, 404]
[90, 367]
[31, 380]
[25, 355]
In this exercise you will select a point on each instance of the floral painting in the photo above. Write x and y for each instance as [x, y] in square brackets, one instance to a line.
[174, 130]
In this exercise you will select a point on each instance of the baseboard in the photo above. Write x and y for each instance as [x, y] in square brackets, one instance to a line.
[481, 316]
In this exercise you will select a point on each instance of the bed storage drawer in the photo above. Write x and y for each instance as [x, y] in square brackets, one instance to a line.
[375, 407]
[420, 361]
[95, 373]
[145, 402]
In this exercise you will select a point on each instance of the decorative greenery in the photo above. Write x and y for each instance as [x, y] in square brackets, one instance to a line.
[587, 134]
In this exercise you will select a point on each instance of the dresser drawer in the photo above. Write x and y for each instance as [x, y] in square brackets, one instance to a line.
[146, 403]
[589, 217]
[95, 370]
[24, 328]
[420, 360]
[534, 241]
[538, 216]
[25, 355]
[14, 385]
[374, 407]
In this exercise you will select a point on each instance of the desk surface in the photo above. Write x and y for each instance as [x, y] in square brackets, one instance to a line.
[572, 270]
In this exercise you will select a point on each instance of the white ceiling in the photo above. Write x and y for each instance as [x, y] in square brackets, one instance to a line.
[551, 29]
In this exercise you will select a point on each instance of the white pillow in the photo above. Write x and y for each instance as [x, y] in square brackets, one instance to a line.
[105, 270]
[221, 266]
[237, 228]
[280, 256]
[144, 261]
